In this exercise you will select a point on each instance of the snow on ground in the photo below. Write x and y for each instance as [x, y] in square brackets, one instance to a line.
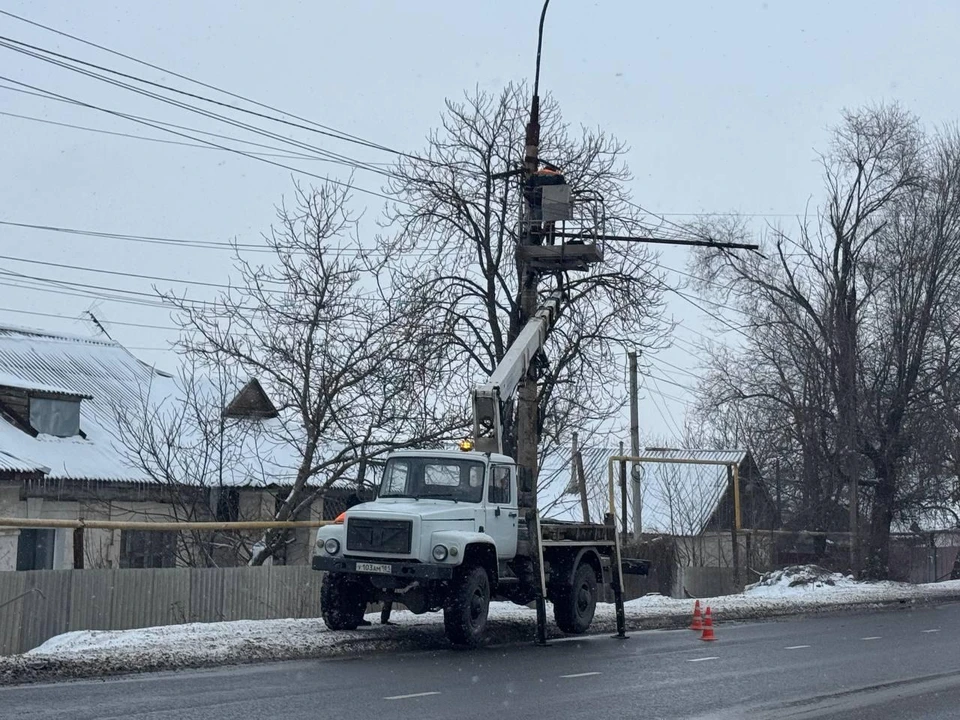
[798, 590]
[800, 579]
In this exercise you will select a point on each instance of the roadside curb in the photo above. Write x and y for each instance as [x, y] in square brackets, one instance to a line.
[24, 669]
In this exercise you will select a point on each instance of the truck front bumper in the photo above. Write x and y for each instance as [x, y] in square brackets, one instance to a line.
[397, 568]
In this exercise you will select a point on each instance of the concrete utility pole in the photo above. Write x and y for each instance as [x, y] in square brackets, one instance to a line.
[528, 409]
[635, 443]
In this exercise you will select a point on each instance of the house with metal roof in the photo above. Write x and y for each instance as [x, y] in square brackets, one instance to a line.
[65, 454]
[685, 494]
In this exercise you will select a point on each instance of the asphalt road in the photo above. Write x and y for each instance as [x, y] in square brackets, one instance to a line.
[901, 664]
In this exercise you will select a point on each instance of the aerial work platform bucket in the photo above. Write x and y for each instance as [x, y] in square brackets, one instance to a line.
[564, 226]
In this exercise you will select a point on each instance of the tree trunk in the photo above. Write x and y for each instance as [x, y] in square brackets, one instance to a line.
[881, 517]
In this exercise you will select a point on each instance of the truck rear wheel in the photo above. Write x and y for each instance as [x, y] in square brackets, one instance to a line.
[465, 612]
[575, 605]
[342, 602]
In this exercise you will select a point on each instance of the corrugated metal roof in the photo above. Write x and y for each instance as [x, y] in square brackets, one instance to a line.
[13, 381]
[676, 498]
[103, 372]
[114, 380]
[11, 463]
[725, 457]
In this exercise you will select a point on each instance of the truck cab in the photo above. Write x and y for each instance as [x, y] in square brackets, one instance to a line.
[441, 518]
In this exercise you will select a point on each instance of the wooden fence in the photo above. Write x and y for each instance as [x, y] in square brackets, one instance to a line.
[37, 605]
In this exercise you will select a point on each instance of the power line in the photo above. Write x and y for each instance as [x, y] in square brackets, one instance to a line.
[658, 360]
[136, 295]
[88, 295]
[338, 134]
[318, 128]
[5, 42]
[670, 288]
[727, 214]
[199, 244]
[326, 156]
[656, 405]
[78, 319]
[663, 394]
[294, 155]
[285, 155]
[676, 384]
[120, 273]
[116, 113]
[662, 219]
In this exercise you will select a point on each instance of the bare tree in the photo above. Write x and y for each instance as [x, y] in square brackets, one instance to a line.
[334, 342]
[458, 229]
[197, 459]
[848, 322]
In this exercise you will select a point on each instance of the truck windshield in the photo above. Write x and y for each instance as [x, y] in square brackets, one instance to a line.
[436, 478]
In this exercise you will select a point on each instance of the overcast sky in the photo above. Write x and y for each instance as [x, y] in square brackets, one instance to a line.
[724, 106]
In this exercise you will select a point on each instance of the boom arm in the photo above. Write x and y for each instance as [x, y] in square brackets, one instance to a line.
[489, 398]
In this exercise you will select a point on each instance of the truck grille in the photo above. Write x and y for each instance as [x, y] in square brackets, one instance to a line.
[386, 536]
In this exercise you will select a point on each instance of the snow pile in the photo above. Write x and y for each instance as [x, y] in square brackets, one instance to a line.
[798, 590]
[798, 579]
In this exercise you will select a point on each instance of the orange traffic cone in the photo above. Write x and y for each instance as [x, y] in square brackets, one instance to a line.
[697, 623]
[708, 626]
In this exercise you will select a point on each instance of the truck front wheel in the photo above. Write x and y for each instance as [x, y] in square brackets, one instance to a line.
[466, 608]
[574, 608]
[342, 601]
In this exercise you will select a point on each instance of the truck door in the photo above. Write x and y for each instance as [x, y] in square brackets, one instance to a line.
[501, 512]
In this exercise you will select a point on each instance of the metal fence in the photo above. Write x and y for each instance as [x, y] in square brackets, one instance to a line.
[37, 605]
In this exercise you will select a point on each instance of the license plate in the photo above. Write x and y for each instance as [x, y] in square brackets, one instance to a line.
[374, 568]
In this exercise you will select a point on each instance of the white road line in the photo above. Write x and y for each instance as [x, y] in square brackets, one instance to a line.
[874, 637]
[412, 695]
[929, 631]
[796, 647]
[576, 675]
[714, 657]
[573, 638]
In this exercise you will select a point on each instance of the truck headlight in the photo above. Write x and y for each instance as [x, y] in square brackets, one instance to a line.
[332, 546]
[439, 553]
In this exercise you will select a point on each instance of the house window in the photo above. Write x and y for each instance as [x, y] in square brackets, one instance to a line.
[499, 485]
[35, 549]
[55, 417]
[147, 549]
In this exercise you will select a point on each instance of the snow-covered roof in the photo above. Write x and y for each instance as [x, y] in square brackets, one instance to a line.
[676, 497]
[11, 463]
[101, 372]
[14, 381]
[113, 381]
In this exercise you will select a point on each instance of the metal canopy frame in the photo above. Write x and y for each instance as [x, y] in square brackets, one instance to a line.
[676, 461]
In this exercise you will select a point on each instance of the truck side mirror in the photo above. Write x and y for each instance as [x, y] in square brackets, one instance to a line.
[524, 480]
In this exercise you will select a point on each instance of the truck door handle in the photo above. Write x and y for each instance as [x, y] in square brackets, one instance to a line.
[496, 512]
[513, 515]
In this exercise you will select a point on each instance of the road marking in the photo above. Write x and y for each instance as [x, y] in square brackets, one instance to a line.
[874, 637]
[574, 638]
[714, 657]
[796, 647]
[412, 695]
[929, 631]
[576, 675]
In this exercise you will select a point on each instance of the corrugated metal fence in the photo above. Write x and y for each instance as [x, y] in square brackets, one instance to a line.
[36, 605]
